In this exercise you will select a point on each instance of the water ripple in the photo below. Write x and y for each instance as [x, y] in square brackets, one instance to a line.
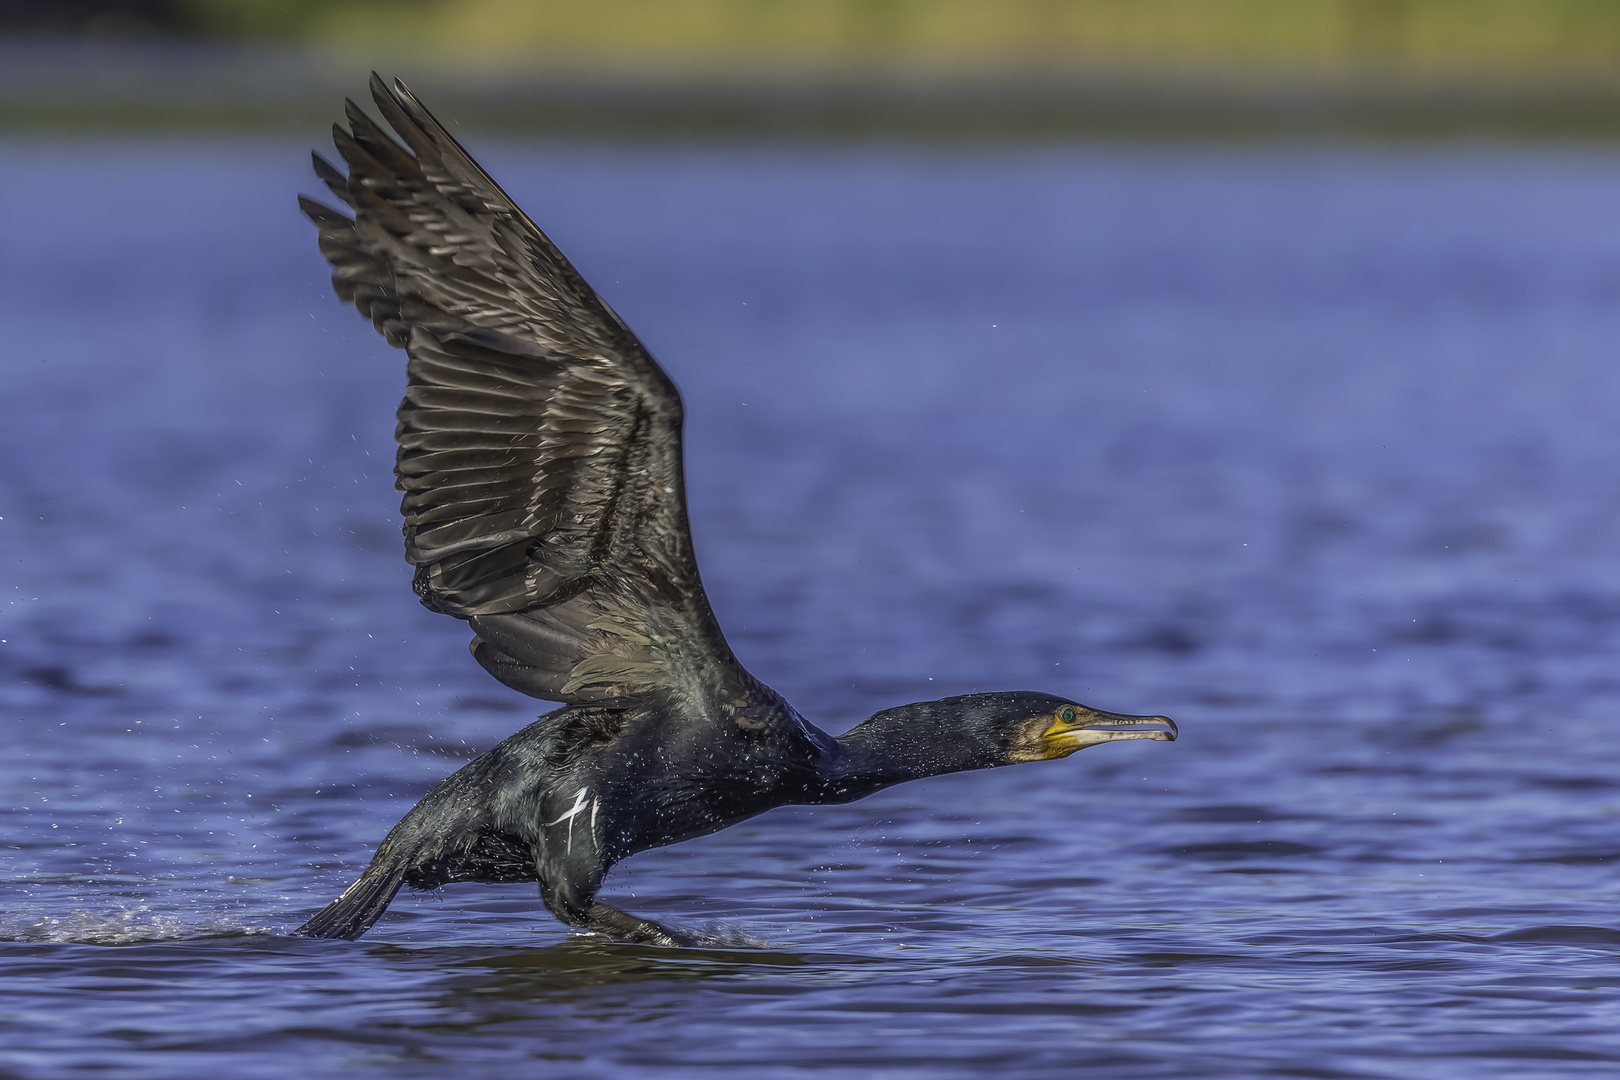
[1305, 447]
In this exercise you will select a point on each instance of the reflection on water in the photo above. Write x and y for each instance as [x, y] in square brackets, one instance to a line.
[1310, 449]
[559, 972]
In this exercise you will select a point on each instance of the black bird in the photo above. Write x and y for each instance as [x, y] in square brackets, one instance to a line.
[540, 457]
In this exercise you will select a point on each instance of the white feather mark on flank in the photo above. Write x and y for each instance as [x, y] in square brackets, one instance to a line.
[573, 812]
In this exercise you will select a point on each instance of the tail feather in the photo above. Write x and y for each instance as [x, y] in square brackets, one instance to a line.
[352, 914]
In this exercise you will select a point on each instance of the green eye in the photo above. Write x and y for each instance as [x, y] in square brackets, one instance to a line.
[1066, 714]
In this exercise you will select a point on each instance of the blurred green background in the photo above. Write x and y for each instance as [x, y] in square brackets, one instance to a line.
[1494, 40]
[941, 67]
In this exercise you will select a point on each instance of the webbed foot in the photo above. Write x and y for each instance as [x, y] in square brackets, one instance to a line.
[623, 926]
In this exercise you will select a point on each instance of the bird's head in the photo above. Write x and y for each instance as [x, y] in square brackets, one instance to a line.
[980, 731]
[1021, 725]
[1051, 727]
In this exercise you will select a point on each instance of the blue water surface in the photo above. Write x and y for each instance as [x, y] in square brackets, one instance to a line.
[1313, 448]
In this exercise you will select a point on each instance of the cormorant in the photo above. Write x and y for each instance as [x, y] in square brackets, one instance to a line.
[540, 457]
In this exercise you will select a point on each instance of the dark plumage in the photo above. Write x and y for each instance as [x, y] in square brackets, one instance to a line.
[540, 457]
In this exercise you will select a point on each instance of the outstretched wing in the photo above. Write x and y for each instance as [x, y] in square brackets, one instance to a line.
[539, 442]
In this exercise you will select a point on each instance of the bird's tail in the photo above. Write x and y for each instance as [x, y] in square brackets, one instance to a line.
[352, 914]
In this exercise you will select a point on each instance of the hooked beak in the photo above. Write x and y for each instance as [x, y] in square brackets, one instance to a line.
[1091, 727]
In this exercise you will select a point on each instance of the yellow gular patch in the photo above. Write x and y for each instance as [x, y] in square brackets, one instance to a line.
[1053, 745]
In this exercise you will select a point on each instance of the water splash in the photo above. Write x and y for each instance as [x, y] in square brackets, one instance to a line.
[123, 926]
[726, 936]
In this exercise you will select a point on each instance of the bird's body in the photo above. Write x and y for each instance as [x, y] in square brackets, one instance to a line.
[540, 457]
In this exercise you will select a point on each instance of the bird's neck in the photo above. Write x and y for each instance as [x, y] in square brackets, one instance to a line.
[907, 743]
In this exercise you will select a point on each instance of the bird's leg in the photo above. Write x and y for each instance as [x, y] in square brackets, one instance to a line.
[627, 927]
[568, 887]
